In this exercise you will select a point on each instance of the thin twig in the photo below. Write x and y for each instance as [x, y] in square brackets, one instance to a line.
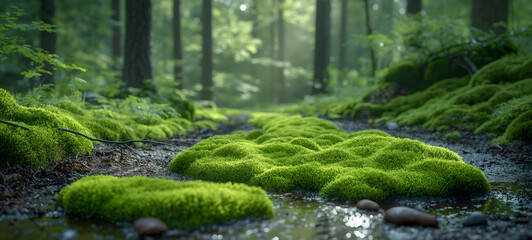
[93, 139]
[13, 124]
[112, 142]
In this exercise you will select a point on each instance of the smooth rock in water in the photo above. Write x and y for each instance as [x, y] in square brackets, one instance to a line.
[69, 234]
[392, 125]
[367, 205]
[409, 216]
[475, 218]
[150, 226]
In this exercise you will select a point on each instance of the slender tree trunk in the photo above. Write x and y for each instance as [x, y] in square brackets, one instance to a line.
[371, 51]
[485, 13]
[178, 54]
[116, 38]
[322, 46]
[48, 39]
[273, 79]
[137, 55]
[206, 60]
[281, 81]
[413, 7]
[343, 40]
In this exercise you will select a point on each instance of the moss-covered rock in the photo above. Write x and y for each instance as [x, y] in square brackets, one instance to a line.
[179, 204]
[311, 153]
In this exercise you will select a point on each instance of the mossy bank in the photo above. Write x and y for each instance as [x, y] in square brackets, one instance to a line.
[179, 204]
[314, 154]
[120, 120]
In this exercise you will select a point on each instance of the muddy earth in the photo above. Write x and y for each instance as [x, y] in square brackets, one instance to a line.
[29, 209]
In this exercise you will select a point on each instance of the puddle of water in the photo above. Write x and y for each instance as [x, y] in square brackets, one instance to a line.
[301, 217]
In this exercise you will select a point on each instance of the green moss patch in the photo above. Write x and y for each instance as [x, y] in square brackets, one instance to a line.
[179, 204]
[314, 154]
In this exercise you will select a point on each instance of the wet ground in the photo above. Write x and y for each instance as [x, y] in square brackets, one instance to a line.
[29, 209]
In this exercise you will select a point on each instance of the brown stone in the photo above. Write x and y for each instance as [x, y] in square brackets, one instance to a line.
[368, 205]
[409, 216]
[150, 226]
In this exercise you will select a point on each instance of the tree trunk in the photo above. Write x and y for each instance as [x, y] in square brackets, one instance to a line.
[322, 46]
[206, 60]
[178, 54]
[343, 40]
[116, 38]
[48, 39]
[281, 82]
[371, 51]
[413, 7]
[273, 85]
[485, 13]
[137, 53]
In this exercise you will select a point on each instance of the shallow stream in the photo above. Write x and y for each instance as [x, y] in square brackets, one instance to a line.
[302, 216]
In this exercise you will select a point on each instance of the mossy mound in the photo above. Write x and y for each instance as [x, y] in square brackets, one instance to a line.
[314, 154]
[179, 204]
[115, 120]
[41, 144]
[486, 102]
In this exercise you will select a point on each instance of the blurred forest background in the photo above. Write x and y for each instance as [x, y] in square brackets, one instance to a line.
[264, 52]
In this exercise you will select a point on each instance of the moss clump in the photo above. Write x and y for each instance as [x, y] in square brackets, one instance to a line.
[314, 154]
[507, 69]
[453, 134]
[179, 204]
[41, 144]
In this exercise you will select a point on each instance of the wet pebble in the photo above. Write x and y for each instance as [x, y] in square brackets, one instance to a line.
[392, 125]
[475, 218]
[150, 226]
[69, 234]
[367, 205]
[409, 216]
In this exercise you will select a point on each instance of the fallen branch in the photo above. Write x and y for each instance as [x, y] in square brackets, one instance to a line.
[93, 139]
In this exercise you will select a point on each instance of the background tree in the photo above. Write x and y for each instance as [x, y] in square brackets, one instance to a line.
[206, 59]
[48, 38]
[137, 72]
[322, 47]
[373, 61]
[116, 29]
[281, 86]
[178, 54]
[343, 39]
[485, 13]
[413, 7]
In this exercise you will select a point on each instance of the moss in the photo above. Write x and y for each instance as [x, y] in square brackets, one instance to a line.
[314, 154]
[453, 134]
[441, 69]
[404, 74]
[179, 204]
[507, 69]
[42, 144]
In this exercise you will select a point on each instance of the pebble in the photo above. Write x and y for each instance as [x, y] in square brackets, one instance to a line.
[150, 226]
[475, 218]
[409, 216]
[69, 234]
[392, 125]
[368, 205]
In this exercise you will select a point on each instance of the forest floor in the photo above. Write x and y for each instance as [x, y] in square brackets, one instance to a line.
[28, 197]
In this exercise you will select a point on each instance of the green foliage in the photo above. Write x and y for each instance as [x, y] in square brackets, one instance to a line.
[178, 204]
[311, 153]
[508, 69]
[16, 45]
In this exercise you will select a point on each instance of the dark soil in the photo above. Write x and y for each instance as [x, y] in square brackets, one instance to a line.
[28, 194]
